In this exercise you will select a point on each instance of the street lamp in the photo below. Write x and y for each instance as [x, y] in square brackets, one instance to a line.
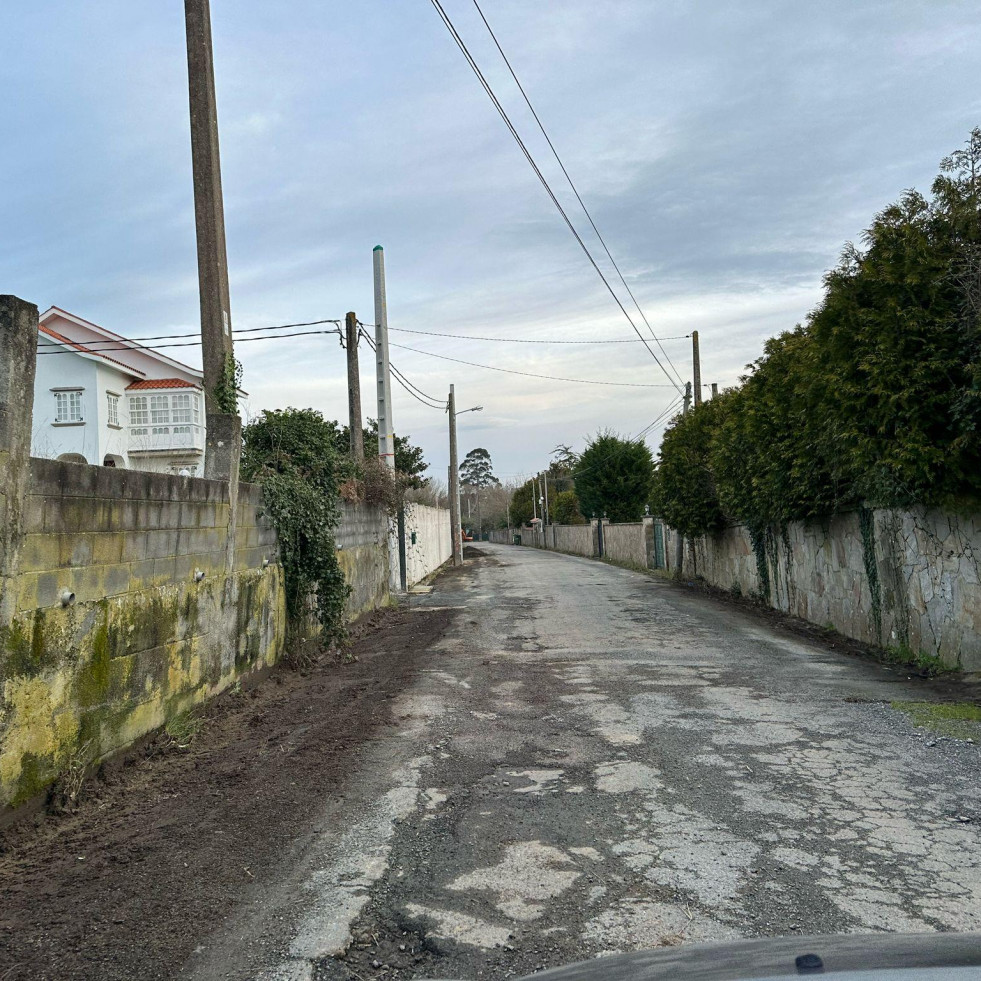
[454, 478]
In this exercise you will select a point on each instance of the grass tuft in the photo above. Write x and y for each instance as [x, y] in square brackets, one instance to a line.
[959, 720]
[183, 729]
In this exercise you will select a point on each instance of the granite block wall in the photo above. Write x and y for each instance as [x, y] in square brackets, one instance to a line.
[895, 578]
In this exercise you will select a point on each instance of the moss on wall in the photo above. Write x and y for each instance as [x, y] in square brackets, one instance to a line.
[94, 677]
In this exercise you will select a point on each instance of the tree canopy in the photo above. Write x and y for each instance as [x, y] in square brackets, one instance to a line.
[409, 460]
[613, 476]
[477, 469]
[875, 401]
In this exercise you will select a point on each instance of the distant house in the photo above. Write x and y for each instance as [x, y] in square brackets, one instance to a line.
[103, 399]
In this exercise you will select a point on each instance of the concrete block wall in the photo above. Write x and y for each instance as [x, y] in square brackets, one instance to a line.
[361, 538]
[433, 543]
[896, 578]
[129, 607]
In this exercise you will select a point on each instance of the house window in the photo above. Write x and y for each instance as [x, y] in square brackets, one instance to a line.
[181, 405]
[182, 430]
[196, 409]
[68, 406]
[139, 414]
[113, 403]
[159, 409]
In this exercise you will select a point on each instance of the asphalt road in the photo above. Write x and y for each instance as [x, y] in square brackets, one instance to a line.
[595, 761]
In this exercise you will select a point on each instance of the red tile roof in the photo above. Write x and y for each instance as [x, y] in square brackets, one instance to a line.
[148, 383]
[85, 350]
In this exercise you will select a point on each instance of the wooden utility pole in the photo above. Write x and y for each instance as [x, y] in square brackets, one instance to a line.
[353, 388]
[217, 354]
[696, 367]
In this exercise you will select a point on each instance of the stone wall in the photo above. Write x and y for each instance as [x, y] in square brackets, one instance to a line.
[904, 579]
[626, 543]
[576, 539]
[130, 605]
[428, 540]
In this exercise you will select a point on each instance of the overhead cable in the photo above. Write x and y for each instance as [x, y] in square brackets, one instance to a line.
[575, 190]
[430, 401]
[530, 374]
[528, 340]
[514, 133]
[85, 348]
[95, 345]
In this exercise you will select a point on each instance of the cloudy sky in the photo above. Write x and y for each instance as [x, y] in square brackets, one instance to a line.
[727, 151]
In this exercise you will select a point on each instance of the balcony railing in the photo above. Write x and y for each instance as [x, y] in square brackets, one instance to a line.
[176, 436]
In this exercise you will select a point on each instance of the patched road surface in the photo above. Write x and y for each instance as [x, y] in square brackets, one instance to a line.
[594, 761]
[545, 759]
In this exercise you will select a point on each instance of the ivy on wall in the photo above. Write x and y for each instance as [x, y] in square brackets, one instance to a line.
[291, 454]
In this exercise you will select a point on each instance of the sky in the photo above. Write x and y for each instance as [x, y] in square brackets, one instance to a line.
[727, 152]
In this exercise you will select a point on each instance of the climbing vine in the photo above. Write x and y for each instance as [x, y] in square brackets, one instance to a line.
[866, 524]
[291, 454]
[225, 392]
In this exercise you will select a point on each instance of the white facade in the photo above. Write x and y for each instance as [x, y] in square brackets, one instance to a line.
[104, 400]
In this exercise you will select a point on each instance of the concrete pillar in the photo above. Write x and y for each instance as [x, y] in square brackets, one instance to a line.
[595, 531]
[18, 359]
[648, 532]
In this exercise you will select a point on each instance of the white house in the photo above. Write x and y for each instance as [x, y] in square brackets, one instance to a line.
[104, 399]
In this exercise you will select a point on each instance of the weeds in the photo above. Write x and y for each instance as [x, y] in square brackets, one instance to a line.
[927, 664]
[959, 720]
[183, 729]
[67, 789]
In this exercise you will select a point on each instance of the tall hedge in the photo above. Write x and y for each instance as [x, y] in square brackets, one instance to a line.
[876, 400]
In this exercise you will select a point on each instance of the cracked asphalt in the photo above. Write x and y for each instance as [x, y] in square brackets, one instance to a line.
[596, 761]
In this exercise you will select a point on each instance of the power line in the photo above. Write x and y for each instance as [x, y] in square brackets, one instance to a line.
[417, 393]
[530, 374]
[89, 349]
[94, 345]
[526, 340]
[575, 190]
[514, 133]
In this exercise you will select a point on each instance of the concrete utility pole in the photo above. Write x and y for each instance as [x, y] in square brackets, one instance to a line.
[696, 367]
[386, 425]
[687, 408]
[546, 512]
[353, 388]
[454, 488]
[224, 440]
[715, 389]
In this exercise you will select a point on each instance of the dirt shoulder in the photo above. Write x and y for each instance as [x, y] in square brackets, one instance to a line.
[165, 845]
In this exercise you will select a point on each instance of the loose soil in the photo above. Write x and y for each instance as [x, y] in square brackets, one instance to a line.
[165, 843]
